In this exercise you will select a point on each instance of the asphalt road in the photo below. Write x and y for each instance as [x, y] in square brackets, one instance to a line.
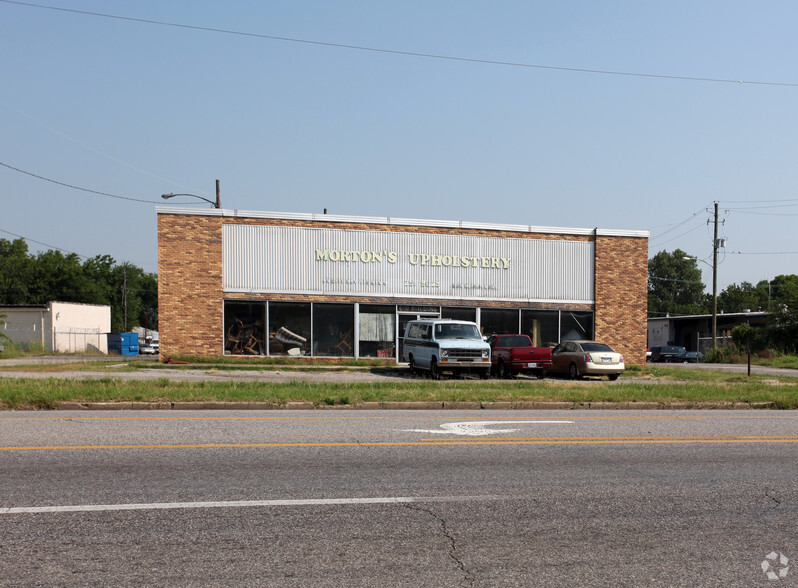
[399, 498]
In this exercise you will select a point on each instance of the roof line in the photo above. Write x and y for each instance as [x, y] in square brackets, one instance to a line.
[337, 218]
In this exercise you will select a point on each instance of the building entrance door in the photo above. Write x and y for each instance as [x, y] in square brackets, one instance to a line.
[402, 318]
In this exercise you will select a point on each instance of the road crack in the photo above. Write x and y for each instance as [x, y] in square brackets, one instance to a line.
[771, 494]
[468, 577]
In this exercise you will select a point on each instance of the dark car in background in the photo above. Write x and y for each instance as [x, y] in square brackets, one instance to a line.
[690, 357]
[667, 353]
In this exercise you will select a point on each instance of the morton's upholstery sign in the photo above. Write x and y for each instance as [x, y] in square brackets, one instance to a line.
[296, 260]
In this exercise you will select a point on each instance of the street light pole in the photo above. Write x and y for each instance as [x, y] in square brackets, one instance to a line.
[715, 284]
[217, 204]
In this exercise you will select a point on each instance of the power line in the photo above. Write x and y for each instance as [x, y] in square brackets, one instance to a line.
[761, 201]
[405, 53]
[658, 243]
[675, 280]
[677, 225]
[745, 211]
[86, 146]
[86, 257]
[45, 244]
[22, 171]
[762, 253]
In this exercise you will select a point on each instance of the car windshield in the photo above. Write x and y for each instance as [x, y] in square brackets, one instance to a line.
[457, 331]
[596, 347]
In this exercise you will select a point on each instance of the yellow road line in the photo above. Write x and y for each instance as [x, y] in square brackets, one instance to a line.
[633, 438]
[428, 442]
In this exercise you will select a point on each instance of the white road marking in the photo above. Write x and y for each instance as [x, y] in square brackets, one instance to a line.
[477, 428]
[242, 503]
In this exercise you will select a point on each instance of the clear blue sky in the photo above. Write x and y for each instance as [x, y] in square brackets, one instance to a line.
[272, 104]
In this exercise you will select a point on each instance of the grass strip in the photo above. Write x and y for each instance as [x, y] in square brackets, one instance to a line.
[22, 393]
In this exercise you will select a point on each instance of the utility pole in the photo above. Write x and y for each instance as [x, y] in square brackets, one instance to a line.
[715, 284]
[124, 296]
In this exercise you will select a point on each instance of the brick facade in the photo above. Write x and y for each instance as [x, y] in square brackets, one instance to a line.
[191, 299]
[621, 307]
[190, 313]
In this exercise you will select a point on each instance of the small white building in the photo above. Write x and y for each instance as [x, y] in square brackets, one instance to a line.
[65, 327]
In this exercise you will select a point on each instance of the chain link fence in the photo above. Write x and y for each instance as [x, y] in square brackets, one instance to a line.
[68, 340]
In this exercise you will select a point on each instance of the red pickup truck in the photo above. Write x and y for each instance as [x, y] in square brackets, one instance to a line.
[512, 354]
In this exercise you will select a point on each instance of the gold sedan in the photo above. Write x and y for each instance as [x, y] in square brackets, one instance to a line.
[586, 358]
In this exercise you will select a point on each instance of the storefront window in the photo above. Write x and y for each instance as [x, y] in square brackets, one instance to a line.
[459, 313]
[289, 328]
[243, 328]
[498, 320]
[576, 325]
[543, 326]
[377, 330]
[333, 330]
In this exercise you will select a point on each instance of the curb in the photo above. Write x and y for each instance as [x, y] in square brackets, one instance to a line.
[88, 406]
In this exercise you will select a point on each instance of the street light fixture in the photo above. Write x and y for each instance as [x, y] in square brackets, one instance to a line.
[217, 204]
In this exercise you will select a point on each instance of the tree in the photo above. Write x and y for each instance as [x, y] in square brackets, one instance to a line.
[750, 339]
[15, 271]
[782, 291]
[131, 293]
[675, 286]
[99, 270]
[148, 294]
[53, 276]
[3, 336]
[56, 276]
[739, 298]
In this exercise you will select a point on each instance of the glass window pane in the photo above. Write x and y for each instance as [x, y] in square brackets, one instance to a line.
[333, 328]
[243, 328]
[459, 313]
[289, 328]
[542, 325]
[495, 321]
[377, 326]
[576, 325]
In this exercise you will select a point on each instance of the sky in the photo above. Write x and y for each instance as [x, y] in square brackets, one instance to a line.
[622, 115]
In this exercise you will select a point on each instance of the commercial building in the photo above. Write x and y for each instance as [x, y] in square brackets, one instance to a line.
[317, 285]
[694, 332]
[65, 327]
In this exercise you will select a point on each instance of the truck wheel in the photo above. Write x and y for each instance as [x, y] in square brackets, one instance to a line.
[613, 377]
[502, 369]
[412, 366]
[540, 374]
[484, 374]
[573, 371]
[434, 372]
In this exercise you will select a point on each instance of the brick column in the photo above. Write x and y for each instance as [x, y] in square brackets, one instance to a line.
[190, 305]
[622, 295]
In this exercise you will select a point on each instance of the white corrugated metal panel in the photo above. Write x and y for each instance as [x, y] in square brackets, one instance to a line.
[267, 259]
